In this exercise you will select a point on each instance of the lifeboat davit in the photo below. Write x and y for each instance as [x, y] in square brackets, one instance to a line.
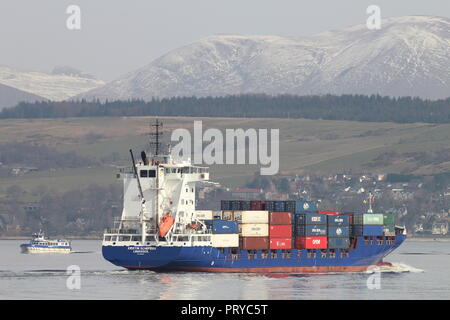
[165, 224]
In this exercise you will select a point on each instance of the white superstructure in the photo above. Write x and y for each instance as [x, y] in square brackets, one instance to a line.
[157, 187]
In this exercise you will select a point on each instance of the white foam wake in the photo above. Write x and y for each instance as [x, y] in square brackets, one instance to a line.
[395, 267]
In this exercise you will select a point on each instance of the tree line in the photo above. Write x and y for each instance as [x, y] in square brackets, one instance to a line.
[40, 157]
[374, 108]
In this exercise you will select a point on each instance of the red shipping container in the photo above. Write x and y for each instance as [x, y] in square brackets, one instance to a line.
[280, 231]
[257, 205]
[280, 243]
[311, 242]
[333, 213]
[254, 243]
[280, 218]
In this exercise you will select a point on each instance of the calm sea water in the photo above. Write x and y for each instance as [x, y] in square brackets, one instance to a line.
[421, 271]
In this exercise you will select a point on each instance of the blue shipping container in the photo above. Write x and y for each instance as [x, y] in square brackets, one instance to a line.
[222, 226]
[235, 205]
[225, 205]
[311, 218]
[338, 243]
[356, 231]
[311, 230]
[302, 206]
[289, 206]
[338, 231]
[373, 230]
[338, 220]
[270, 205]
[279, 206]
[367, 231]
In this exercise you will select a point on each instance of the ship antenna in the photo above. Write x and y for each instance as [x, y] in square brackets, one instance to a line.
[155, 137]
[371, 200]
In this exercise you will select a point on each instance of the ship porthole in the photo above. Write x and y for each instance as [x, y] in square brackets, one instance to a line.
[114, 243]
[212, 263]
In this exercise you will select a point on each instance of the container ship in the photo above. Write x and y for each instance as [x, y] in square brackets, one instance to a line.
[161, 230]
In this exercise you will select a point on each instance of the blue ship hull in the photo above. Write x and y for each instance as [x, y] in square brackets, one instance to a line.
[210, 259]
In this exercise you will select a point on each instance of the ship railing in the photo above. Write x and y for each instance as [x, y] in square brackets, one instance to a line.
[121, 231]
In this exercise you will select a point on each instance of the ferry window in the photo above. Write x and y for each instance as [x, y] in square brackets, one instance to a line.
[192, 190]
[144, 173]
[174, 170]
[151, 173]
[107, 238]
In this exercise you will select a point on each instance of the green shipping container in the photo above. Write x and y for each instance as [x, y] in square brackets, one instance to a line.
[388, 219]
[372, 219]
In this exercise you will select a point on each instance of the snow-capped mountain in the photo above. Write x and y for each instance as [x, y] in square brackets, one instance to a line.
[408, 56]
[49, 86]
[9, 96]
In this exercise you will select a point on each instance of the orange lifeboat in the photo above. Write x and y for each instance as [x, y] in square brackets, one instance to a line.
[165, 224]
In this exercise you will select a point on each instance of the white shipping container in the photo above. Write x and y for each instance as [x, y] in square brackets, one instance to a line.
[225, 240]
[253, 216]
[254, 230]
[202, 215]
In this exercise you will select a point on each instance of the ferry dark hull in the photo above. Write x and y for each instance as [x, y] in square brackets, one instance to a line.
[209, 259]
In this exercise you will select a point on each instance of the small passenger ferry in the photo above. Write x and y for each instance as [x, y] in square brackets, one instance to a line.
[39, 244]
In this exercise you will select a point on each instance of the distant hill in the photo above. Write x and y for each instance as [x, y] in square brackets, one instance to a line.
[11, 96]
[49, 86]
[409, 56]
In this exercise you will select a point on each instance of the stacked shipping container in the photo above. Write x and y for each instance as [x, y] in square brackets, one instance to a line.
[275, 225]
[338, 231]
[224, 233]
[280, 230]
[367, 224]
[310, 231]
[254, 229]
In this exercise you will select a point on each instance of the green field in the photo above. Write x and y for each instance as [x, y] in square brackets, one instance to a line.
[324, 146]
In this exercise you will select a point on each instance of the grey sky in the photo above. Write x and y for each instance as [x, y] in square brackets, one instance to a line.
[118, 36]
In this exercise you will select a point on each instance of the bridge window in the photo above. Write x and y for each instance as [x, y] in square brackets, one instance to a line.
[151, 173]
[144, 173]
